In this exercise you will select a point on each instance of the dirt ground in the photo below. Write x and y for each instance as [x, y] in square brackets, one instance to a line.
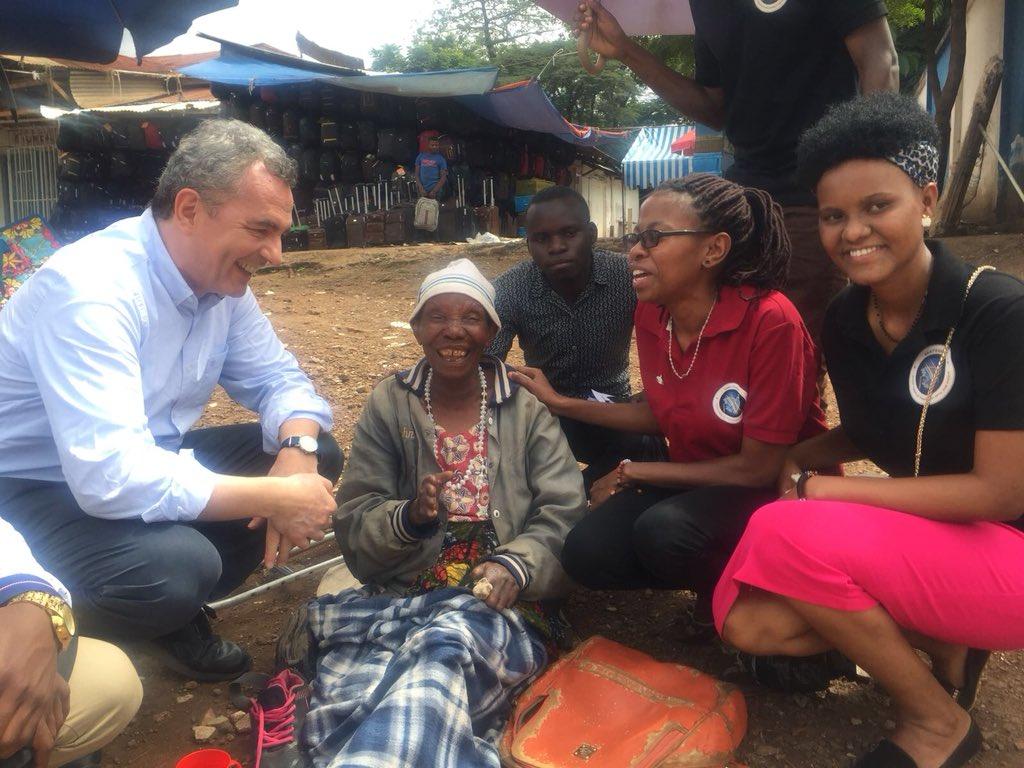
[341, 313]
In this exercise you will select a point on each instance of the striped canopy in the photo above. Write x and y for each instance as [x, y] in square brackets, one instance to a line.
[650, 159]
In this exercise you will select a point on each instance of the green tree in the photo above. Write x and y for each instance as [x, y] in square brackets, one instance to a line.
[389, 58]
[492, 24]
[427, 54]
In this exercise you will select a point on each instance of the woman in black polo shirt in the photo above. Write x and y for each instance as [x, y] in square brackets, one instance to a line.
[925, 356]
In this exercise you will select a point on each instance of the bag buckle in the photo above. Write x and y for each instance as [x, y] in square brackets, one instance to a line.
[585, 751]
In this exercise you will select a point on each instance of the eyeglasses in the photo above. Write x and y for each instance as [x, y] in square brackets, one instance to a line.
[651, 237]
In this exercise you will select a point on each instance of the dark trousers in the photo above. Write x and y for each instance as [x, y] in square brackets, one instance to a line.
[813, 278]
[135, 580]
[661, 538]
[601, 449]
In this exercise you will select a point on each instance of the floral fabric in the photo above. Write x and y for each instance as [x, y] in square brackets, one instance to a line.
[456, 453]
[24, 246]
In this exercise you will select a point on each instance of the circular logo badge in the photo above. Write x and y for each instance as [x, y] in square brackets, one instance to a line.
[769, 6]
[926, 369]
[729, 402]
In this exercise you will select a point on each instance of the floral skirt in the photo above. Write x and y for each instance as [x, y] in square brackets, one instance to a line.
[465, 545]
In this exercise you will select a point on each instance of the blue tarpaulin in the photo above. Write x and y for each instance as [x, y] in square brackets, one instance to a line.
[91, 30]
[650, 159]
[246, 67]
[525, 106]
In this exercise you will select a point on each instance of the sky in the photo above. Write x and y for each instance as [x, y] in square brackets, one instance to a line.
[349, 26]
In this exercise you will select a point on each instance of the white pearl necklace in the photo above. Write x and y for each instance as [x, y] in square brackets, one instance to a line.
[477, 469]
[696, 350]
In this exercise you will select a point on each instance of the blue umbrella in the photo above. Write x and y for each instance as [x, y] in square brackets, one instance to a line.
[91, 30]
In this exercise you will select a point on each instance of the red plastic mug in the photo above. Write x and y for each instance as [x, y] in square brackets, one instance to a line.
[208, 758]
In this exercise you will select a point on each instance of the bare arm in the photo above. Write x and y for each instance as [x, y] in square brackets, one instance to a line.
[874, 54]
[755, 466]
[704, 105]
[992, 491]
[627, 417]
[823, 451]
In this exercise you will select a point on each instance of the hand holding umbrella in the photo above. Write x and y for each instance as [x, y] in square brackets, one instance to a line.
[598, 31]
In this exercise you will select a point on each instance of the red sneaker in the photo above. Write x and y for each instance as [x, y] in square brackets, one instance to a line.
[277, 714]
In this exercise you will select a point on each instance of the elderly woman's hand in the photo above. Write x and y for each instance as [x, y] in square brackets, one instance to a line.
[533, 380]
[423, 510]
[504, 587]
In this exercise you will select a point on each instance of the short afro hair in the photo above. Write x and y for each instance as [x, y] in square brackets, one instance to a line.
[872, 127]
[565, 194]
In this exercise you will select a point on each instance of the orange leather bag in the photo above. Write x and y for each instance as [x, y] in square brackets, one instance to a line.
[608, 706]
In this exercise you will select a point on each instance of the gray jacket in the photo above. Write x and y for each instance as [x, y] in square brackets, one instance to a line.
[536, 489]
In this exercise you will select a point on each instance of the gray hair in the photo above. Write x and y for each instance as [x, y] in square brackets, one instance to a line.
[212, 160]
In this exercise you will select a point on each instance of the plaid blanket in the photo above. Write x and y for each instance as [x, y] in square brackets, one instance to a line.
[422, 681]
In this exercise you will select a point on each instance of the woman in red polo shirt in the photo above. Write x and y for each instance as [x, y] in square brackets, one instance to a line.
[729, 373]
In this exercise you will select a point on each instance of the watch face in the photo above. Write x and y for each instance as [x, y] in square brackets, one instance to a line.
[69, 620]
[308, 444]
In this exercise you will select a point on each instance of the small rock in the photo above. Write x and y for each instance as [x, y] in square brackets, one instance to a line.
[219, 723]
[1019, 744]
[889, 725]
[185, 698]
[241, 721]
[217, 691]
[765, 750]
[856, 721]
[611, 609]
[161, 716]
[191, 685]
[203, 733]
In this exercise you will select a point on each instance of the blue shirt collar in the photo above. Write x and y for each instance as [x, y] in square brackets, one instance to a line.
[166, 270]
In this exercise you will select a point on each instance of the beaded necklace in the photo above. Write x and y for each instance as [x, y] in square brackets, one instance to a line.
[477, 469]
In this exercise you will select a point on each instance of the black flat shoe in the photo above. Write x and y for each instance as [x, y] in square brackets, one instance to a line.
[798, 674]
[888, 755]
[974, 670]
[195, 652]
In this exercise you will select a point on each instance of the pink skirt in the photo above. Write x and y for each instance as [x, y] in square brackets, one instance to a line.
[960, 583]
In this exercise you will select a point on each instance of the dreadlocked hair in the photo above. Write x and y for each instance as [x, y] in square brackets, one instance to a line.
[760, 249]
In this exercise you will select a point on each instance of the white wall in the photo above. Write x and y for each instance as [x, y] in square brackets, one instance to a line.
[984, 40]
[609, 204]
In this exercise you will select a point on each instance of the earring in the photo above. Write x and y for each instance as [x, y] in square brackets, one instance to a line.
[926, 221]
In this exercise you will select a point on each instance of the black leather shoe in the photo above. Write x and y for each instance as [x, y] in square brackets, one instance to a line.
[195, 652]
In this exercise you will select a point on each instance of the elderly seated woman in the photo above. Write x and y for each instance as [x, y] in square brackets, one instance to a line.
[458, 495]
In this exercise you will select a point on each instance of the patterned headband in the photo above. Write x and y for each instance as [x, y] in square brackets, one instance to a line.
[919, 161]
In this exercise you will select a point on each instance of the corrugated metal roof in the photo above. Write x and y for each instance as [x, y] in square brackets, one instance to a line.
[92, 89]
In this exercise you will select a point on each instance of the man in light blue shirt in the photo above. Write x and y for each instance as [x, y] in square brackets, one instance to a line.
[108, 355]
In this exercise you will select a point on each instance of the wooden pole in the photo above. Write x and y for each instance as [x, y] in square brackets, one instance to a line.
[952, 203]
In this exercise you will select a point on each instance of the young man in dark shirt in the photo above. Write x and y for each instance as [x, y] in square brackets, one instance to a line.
[766, 70]
[572, 309]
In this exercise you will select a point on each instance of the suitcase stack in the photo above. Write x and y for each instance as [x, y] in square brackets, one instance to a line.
[488, 218]
[456, 221]
[376, 220]
[355, 224]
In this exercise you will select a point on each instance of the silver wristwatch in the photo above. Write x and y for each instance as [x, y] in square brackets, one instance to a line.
[305, 443]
